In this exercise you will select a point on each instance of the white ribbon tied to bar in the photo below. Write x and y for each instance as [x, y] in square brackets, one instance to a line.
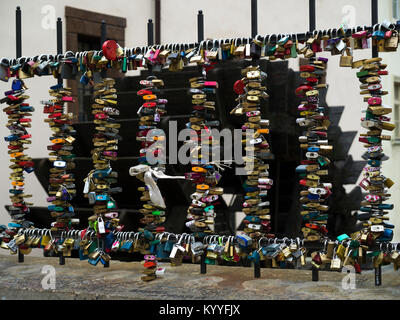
[148, 177]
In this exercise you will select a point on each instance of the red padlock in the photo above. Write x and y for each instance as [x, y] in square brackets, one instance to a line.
[239, 86]
[144, 92]
[307, 68]
[110, 49]
[303, 89]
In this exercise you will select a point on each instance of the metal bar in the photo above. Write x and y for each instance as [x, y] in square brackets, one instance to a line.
[103, 36]
[272, 38]
[59, 51]
[150, 33]
[158, 21]
[311, 15]
[254, 16]
[61, 259]
[378, 276]
[200, 26]
[18, 41]
[203, 265]
[374, 20]
[314, 273]
[20, 256]
[18, 44]
[257, 271]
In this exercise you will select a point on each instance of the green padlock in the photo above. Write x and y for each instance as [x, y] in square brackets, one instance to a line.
[111, 204]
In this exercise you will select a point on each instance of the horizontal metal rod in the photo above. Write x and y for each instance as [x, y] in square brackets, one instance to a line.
[212, 43]
[133, 234]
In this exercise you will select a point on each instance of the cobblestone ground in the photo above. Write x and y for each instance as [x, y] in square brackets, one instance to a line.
[79, 280]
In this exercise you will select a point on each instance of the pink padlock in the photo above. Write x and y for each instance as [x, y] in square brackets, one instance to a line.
[372, 197]
[359, 34]
[211, 84]
[111, 215]
[384, 118]
[100, 116]
[110, 153]
[374, 101]
[156, 53]
[68, 99]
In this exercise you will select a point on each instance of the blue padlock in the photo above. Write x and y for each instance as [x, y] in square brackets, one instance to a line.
[14, 225]
[374, 163]
[12, 137]
[243, 240]
[386, 206]
[387, 235]
[301, 168]
[29, 169]
[83, 256]
[343, 237]
[17, 84]
[313, 196]
[312, 149]
[84, 79]
[56, 87]
[94, 262]
[378, 34]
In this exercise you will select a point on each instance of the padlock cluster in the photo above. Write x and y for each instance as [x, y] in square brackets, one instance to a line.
[218, 251]
[150, 138]
[354, 252]
[254, 132]
[61, 180]
[204, 174]
[150, 263]
[314, 141]
[280, 255]
[18, 113]
[98, 183]
[373, 209]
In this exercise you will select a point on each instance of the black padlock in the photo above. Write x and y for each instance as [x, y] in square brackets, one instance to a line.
[25, 68]
[255, 51]
[66, 71]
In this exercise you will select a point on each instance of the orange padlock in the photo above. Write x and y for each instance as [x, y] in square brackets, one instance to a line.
[16, 154]
[150, 97]
[58, 140]
[202, 187]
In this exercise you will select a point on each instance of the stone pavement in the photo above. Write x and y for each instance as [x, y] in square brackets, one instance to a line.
[79, 280]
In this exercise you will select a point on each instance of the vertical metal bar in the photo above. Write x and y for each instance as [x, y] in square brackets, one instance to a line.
[103, 34]
[61, 257]
[200, 26]
[378, 276]
[59, 36]
[203, 265]
[374, 20]
[257, 270]
[60, 80]
[18, 32]
[277, 184]
[18, 53]
[150, 33]
[158, 22]
[314, 273]
[311, 15]
[20, 256]
[103, 38]
[254, 16]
